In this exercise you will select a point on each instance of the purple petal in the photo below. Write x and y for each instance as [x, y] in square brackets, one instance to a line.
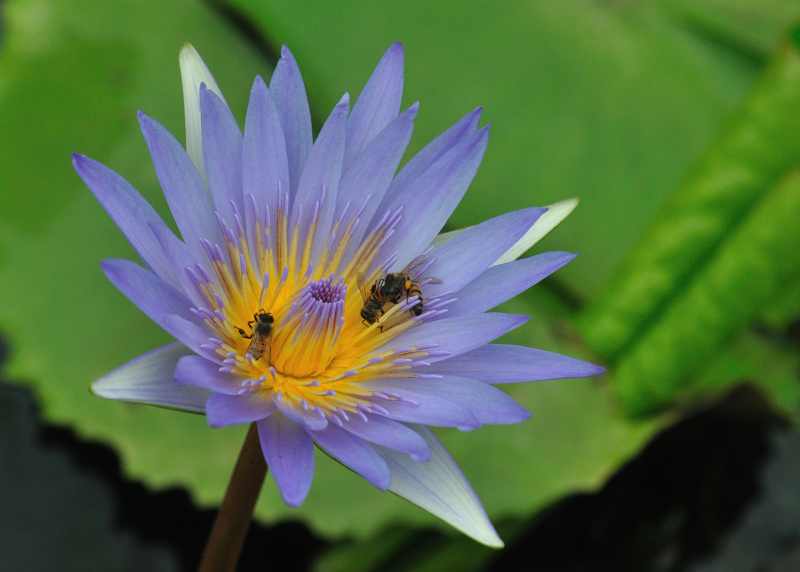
[354, 453]
[223, 410]
[129, 211]
[503, 282]
[435, 150]
[179, 258]
[289, 94]
[439, 487]
[265, 168]
[388, 433]
[459, 261]
[189, 334]
[319, 183]
[378, 103]
[149, 379]
[289, 453]
[222, 153]
[453, 336]
[411, 406]
[498, 363]
[183, 188]
[199, 372]
[364, 184]
[310, 419]
[428, 200]
[151, 295]
[487, 404]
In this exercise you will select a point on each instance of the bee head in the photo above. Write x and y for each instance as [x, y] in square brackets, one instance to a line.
[265, 317]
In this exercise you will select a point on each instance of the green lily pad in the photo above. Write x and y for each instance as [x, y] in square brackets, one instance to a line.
[722, 250]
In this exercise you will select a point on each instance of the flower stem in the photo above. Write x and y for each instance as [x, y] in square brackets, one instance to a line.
[224, 544]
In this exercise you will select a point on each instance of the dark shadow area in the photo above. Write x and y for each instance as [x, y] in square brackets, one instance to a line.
[669, 508]
[67, 506]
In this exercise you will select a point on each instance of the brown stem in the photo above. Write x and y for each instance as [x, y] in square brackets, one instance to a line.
[233, 519]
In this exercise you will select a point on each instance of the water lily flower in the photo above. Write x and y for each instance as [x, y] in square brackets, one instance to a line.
[283, 239]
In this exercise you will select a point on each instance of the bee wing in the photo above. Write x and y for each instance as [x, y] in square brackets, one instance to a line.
[418, 266]
[362, 286]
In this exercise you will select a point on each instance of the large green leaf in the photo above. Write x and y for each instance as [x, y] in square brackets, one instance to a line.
[772, 365]
[748, 28]
[722, 249]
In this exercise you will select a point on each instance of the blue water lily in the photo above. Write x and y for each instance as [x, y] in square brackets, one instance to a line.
[285, 240]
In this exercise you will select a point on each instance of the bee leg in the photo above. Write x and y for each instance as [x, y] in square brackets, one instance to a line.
[244, 334]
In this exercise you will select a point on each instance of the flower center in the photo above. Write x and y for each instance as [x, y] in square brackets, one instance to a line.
[287, 319]
[307, 340]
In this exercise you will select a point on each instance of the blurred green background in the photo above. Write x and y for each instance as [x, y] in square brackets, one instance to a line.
[676, 122]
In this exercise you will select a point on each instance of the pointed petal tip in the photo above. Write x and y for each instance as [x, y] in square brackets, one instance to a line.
[287, 54]
[492, 541]
[593, 370]
[146, 123]
[100, 388]
[259, 84]
[293, 499]
[552, 217]
[396, 48]
[344, 102]
[187, 51]
[111, 267]
[570, 203]
[80, 162]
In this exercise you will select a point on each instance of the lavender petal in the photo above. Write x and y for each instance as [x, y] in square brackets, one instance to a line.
[499, 363]
[222, 153]
[130, 212]
[440, 487]
[504, 281]
[289, 94]
[289, 453]
[354, 453]
[460, 260]
[148, 379]
[378, 103]
[223, 410]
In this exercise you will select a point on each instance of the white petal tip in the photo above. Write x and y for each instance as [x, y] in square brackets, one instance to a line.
[544, 224]
[100, 389]
[439, 487]
[493, 541]
[187, 52]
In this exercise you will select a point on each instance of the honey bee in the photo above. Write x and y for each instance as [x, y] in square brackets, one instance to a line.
[391, 289]
[260, 331]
